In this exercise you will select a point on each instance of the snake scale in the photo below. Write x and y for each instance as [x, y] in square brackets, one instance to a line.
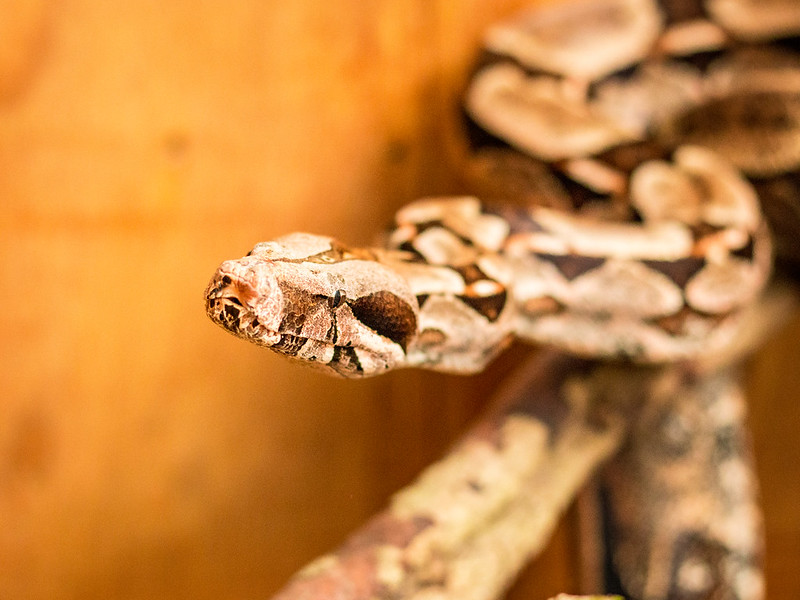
[625, 153]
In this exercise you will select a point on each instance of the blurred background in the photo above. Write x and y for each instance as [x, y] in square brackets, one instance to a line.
[144, 452]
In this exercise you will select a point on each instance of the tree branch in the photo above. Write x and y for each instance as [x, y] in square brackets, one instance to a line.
[470, 522]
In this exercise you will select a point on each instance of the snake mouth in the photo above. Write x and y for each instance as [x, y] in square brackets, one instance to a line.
[233, 315]
[226, 307]
[227, 310]
[230, 314]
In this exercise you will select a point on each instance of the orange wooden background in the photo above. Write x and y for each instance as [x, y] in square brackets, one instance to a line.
[144, 453]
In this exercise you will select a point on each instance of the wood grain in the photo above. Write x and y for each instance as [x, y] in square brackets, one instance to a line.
[143, 452]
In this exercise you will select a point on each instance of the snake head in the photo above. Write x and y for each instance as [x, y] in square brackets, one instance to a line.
[312, 299]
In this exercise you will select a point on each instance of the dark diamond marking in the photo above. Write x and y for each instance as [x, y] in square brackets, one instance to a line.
[488, 306]
[518, 218]
[573, 265]
[680, 271]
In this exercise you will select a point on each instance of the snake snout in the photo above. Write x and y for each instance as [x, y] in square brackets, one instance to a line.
[243, 296]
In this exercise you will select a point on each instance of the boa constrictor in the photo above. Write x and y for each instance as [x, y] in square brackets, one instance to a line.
[624, 150]
[658, 251]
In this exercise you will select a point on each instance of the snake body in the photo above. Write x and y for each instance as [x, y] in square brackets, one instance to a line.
[640, 140]
[650, 241]
[682, 497]
[640, 291]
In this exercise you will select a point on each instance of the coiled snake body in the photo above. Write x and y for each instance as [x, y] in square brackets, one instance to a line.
[623, 150]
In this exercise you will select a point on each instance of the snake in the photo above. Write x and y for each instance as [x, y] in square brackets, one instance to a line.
[632, 175]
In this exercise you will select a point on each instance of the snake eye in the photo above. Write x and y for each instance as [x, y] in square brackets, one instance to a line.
[337, 299]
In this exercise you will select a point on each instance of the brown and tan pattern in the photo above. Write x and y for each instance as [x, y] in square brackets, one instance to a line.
[462, 278]
[470, 522]
[640, 125]
[644, 139]
[683, 498]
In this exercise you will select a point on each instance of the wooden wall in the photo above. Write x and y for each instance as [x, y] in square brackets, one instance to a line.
[144, 453]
